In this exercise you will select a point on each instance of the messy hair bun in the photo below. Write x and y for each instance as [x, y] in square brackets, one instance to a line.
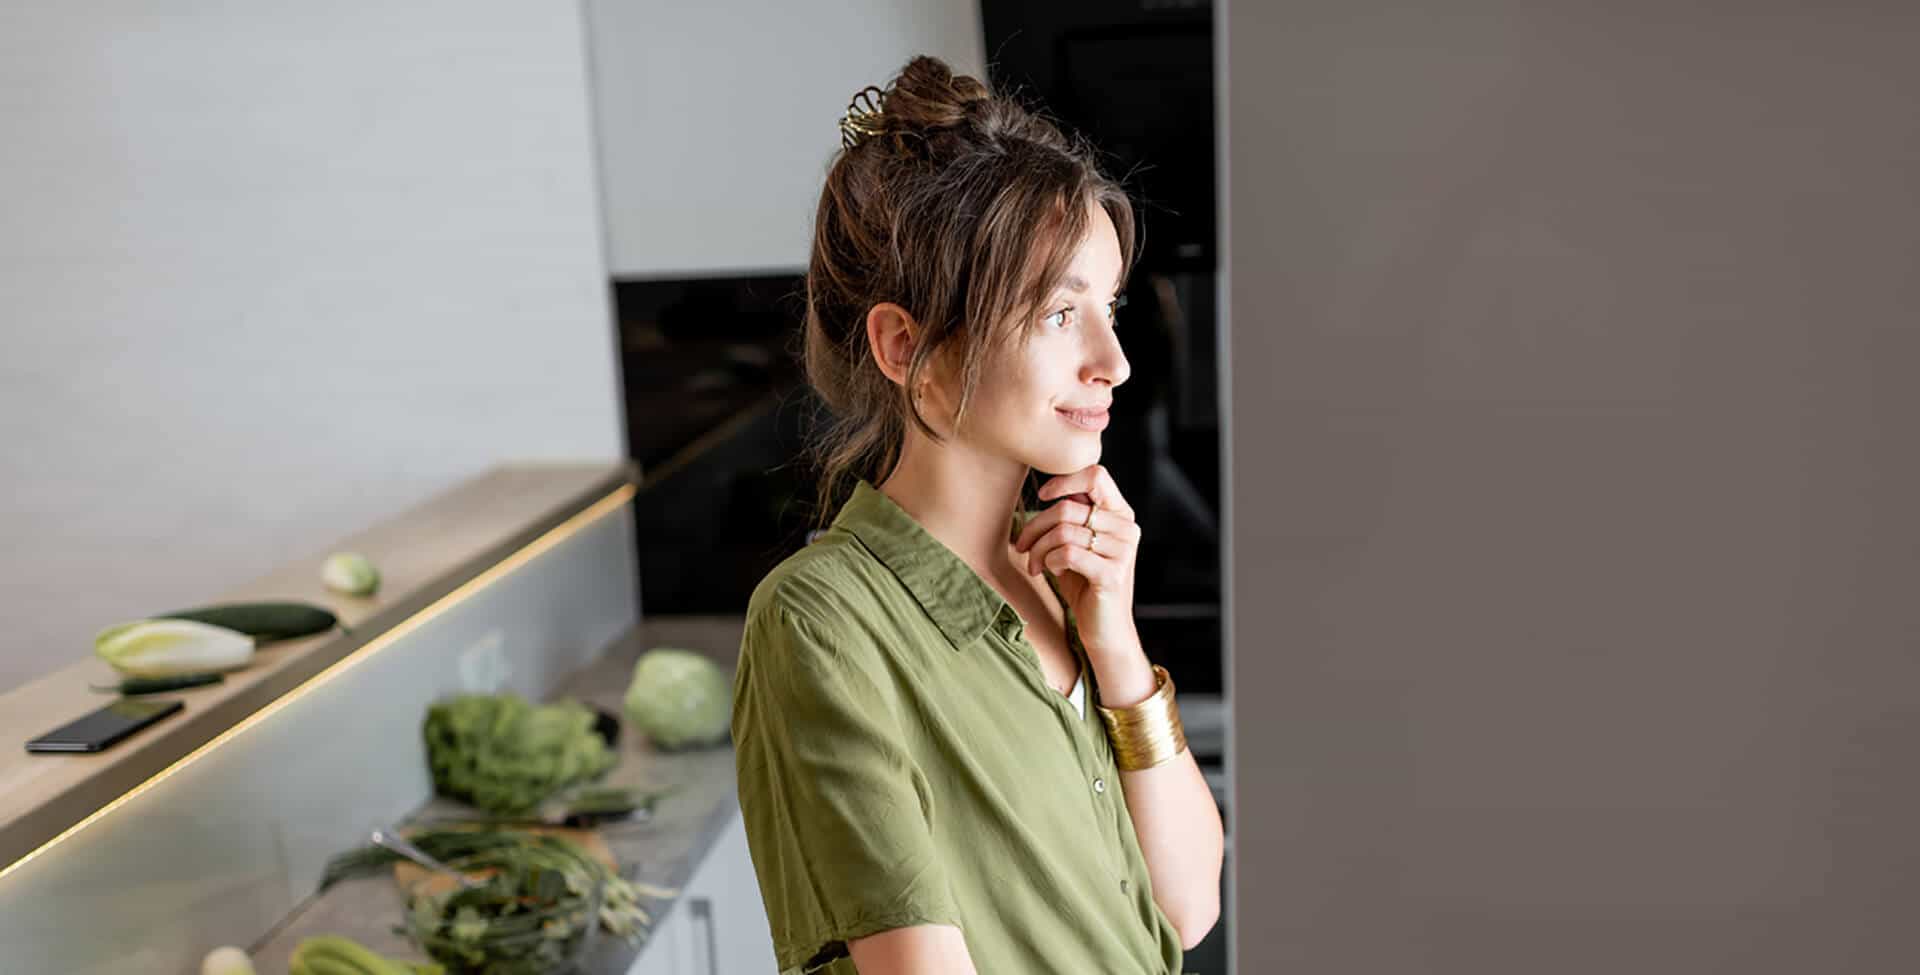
[961, 206]
[927, 96]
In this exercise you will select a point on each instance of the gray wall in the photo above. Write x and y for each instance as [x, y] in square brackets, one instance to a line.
[270, 272]
[1573, 486]
[717, 119]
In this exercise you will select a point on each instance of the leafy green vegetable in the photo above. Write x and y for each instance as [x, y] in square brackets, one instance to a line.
[533, 912]
[170, 647]
[504, 755]
[679, 698]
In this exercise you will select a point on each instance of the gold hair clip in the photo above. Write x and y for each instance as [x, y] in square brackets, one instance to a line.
[863, 116]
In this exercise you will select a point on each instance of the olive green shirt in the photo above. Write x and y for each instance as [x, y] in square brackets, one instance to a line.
[902, 760]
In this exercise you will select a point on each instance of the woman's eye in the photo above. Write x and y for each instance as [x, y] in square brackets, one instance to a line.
[1114, 306]
[1057, 319]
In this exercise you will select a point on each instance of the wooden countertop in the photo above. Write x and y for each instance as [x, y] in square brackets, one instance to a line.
[424, 554]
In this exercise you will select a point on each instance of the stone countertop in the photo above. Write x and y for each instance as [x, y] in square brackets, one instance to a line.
[664, 850]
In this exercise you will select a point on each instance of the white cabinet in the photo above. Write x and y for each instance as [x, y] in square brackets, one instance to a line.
[726, 922]
[665, 951]
[717, 926]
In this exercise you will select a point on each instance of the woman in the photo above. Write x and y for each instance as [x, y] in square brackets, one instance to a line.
[953, 753]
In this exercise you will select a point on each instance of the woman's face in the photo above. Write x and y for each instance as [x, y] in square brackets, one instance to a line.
[1044, 402]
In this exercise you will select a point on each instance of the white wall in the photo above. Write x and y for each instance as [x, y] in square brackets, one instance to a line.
[271, 271]
[717, 119]
[1572, 488]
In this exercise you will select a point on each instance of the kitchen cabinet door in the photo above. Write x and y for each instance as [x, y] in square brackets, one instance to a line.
[666, 951]
[726, 924]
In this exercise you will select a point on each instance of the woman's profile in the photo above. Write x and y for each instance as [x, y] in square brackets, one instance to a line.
[953, 753]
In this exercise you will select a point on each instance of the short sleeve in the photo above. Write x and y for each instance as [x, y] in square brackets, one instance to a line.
[838, 814]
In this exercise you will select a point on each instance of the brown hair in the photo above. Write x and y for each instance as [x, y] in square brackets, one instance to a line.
[962, 207]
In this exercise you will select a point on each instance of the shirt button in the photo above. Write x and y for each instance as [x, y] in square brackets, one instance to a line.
[1100, 785]
[1124, 884]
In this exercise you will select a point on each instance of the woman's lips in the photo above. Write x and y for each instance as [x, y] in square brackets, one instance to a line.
[1085, 419]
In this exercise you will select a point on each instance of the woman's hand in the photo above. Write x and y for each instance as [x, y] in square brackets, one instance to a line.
[1096, 581]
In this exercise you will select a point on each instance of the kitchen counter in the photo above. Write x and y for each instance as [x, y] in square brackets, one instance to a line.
[424, 554]
[664, 850]
[212, 826]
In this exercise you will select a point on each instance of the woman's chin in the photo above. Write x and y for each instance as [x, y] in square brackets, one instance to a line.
[1068, 458]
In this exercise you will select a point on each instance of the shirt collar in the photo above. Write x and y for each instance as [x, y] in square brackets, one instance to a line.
[959, 602]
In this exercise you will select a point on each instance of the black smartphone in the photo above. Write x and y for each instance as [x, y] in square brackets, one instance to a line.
[102, 728]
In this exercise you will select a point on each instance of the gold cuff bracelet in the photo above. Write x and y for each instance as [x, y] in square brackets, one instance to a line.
[1149, 733]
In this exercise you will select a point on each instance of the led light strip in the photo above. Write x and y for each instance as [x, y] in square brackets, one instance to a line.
[531, 550]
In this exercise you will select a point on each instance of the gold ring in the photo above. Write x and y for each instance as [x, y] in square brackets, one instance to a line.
[1091, 539]
[1089, 522]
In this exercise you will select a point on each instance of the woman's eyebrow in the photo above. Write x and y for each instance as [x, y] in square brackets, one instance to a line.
[1074, 282]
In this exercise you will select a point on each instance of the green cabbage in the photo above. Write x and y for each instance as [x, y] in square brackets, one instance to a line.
[504, 755]
[679, 698]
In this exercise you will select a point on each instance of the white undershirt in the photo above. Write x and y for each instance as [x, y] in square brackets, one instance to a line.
[1078, 696]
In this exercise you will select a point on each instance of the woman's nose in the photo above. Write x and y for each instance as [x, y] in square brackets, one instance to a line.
[1106, 362]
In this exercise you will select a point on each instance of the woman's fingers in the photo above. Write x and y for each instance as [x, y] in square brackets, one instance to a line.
[1100, 571]
[1093, 481]
[1116, 538]
[1059, 536]
[1087, 504]
[1064, 512]
[1073, 514]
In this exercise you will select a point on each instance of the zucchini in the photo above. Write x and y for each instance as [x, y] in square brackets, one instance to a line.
[263, 621]
[136, 686]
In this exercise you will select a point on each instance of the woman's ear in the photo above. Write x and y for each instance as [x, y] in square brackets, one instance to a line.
[891, 334]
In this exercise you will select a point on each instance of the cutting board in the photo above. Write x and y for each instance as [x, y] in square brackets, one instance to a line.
[407, 873]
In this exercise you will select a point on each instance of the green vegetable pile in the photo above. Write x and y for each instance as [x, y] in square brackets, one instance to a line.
[532, 914]
[679, 698]
[504, 755]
